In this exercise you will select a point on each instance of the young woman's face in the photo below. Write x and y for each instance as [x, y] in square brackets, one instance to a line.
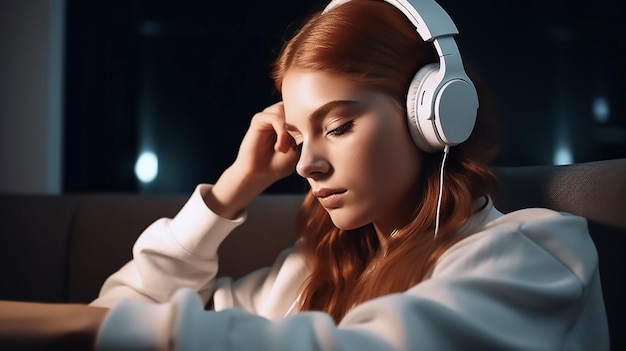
[356, 151]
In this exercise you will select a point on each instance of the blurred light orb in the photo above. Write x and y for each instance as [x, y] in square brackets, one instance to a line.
[147, 167]
[601, 109]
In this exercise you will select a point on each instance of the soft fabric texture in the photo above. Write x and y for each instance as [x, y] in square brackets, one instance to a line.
[525, 280]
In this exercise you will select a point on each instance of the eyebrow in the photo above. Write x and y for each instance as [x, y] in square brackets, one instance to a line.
[324, 110]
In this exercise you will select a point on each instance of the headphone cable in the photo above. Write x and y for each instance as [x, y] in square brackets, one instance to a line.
[446, 149]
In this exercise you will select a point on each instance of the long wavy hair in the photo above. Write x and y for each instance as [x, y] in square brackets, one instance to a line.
[371, 43]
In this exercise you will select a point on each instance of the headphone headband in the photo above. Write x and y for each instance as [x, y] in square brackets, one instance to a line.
[429, 18]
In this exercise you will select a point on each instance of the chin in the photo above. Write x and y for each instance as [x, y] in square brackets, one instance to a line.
[341, 221]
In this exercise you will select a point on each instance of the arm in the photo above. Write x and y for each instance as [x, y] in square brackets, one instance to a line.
[182, 252]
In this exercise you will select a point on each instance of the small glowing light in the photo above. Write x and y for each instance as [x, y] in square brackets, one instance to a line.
[601, 109]
[563, 156]
[147, 167]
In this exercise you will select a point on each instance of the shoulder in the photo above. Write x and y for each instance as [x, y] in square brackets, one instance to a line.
[533, 238]
[549, 229]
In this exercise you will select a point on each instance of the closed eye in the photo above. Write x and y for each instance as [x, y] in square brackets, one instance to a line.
[342, 129]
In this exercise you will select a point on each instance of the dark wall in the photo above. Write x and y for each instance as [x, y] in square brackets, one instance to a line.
[182, 78]
[549, 63]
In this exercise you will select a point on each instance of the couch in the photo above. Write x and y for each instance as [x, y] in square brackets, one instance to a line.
[60, 248]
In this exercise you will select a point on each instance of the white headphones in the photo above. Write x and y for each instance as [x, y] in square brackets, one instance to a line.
[442, 100]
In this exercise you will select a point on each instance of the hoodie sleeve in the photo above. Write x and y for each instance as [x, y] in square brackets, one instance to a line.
[171, 254]
[512, 286]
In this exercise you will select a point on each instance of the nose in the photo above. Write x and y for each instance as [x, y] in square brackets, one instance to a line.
[312, 163]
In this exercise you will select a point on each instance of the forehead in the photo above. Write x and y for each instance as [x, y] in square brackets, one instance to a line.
[304, 92]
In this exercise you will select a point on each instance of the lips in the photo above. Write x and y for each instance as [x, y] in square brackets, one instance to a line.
[324, 192]
[329, 198]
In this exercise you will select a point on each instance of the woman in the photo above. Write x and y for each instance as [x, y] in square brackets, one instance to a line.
[368, 271]
[389, 257]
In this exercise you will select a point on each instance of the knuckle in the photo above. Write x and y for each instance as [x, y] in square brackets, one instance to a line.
[258, 117]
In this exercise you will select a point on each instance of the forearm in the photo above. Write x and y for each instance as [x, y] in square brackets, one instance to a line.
[37, 326]
[172, 253]
[233, 192]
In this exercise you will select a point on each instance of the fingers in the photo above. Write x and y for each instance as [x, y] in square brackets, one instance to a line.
[284, 141]
[271, 118]
[274, 115]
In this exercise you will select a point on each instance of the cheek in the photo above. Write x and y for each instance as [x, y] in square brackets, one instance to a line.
[374, 156]
[391, 159]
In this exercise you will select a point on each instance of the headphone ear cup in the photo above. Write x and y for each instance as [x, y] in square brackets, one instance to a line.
[455, 107]
[413, 100]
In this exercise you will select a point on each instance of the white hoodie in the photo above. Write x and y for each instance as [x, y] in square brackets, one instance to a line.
[527, 280]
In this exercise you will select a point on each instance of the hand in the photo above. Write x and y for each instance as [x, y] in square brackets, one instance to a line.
[265, 155]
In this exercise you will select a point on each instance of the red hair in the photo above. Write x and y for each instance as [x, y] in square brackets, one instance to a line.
[373, 44]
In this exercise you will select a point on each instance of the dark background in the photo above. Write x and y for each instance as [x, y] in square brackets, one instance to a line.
[182, 79]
